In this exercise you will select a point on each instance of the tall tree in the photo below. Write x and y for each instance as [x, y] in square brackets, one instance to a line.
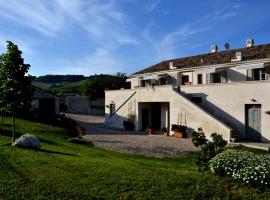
[15, 83]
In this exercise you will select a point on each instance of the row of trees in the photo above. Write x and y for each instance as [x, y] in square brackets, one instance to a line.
[15, 84]
[96, 84]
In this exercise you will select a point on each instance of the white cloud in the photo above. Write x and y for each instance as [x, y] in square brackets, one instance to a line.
[104, 21]
[152, 5]
[167, 45]
[100, 61]
[24, 45]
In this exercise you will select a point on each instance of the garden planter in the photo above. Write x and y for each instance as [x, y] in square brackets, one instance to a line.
[178, 134]
[179, 131]
[149, 131]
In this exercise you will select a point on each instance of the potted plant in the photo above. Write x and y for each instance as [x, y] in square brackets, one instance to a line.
[179, 130]
[149, 130]
[165, 131]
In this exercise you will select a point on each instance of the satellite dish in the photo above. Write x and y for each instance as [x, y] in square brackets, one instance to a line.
[227, 45]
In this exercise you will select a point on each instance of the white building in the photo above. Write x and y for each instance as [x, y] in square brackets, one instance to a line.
[227, 92]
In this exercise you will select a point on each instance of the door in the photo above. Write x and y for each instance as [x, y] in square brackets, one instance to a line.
[156, 115]
[145, 118]
[47, 108]
[253, 122]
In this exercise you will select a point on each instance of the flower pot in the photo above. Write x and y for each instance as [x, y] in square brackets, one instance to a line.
[178, 134]
[149, 131]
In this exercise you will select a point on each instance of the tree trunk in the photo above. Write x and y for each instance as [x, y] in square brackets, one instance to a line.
[13, 126]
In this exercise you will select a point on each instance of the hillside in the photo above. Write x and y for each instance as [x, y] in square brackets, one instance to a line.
[79, 84]
[62, 87]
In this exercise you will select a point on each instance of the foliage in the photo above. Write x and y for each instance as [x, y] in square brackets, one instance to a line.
[60, 78]
[70, 125]
[27, 141]
[15, 84]
[209, 149]
[64, 170]
[198, 138]
[245, 167]
[95, 86]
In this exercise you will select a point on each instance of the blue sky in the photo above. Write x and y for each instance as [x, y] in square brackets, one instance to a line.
[109, 36]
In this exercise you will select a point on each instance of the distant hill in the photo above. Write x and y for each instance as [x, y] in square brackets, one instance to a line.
[60, 78]
[79, 84]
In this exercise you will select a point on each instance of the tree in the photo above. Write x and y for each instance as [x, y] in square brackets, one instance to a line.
[96, 84]
[15, 84]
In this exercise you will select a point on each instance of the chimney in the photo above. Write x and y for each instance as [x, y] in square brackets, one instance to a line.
[171, 65]
[214, 48]
[238, 56]
[249, 42]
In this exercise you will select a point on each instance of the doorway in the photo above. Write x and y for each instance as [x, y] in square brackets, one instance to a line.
[145, 118]
[253, 122]
[156, 115]
[47, 108]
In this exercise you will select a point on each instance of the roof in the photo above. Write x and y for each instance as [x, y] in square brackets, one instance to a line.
[222, 57]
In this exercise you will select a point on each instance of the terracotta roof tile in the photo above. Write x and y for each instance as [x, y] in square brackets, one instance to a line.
[222, 57]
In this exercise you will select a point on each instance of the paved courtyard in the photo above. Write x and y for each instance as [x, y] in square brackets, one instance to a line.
[130, 141]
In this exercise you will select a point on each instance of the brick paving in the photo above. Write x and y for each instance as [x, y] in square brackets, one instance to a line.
[132, 142]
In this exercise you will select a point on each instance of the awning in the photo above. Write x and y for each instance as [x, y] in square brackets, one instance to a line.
[205, 71]
[152, 77]
[251, 66]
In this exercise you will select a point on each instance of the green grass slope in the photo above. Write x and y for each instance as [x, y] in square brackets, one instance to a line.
[64, 87]
[63, 170]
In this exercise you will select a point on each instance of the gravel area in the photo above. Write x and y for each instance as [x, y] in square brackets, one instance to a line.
[132, 142]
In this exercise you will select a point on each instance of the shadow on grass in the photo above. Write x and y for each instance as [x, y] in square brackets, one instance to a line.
[8, 133]
[55, 152]
[48, 141]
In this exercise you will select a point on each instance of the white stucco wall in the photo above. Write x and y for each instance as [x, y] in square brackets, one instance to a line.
[196, 117]
[119, 97]
[228, 102]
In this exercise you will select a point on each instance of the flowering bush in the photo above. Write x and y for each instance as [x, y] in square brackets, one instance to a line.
[27, 141]
[245, 167]
[209, 149]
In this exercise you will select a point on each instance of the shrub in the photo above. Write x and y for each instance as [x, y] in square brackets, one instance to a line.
[27, 141]
[198, 137]
[128, 125]
[70, 125]
[245, 167]
[209, 149]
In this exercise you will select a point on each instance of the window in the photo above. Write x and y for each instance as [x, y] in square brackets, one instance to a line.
[200, 80]
[185, 80]
[259, 74]
[163, 81]
[112, 108]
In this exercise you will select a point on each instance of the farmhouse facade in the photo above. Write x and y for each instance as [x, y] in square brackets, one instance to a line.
[225, 92]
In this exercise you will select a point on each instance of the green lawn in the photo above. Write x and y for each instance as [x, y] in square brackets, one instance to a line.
[63, 170]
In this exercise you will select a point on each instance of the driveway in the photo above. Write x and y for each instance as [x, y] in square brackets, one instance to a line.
[130, 141]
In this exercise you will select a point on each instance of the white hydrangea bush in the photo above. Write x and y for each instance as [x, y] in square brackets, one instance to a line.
[245, 167]
[28, 141]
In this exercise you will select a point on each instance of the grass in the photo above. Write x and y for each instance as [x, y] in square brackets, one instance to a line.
[64, 87]
[63, 170]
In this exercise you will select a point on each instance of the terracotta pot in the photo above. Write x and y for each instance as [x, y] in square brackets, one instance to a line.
[178, 134]
[150, 131]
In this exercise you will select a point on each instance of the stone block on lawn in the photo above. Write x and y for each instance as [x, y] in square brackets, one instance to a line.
[27, 141]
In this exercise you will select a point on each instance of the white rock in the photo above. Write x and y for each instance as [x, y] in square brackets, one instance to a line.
[27, 141]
